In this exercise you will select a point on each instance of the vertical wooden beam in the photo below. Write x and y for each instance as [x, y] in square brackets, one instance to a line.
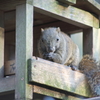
[91, 44]
[24, 45]
[96, 44]
[87, 41]
[1, 44]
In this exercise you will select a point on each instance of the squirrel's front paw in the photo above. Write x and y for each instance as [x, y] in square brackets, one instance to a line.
[45, 56]
[73, 67]
[50, 56]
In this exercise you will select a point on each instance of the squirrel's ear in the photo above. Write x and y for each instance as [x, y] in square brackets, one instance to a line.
[58, 29]
[42, 29]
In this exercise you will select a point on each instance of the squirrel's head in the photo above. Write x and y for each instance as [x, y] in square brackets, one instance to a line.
[51, 38]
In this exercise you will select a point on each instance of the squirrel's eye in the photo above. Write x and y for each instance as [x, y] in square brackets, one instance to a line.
[57, 39]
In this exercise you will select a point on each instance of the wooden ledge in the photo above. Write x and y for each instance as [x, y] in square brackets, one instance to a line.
[7, 84]
[58, 77]
[89, 5]
[68, 14]
[53, 9]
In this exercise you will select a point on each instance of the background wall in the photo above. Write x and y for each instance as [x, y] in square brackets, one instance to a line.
[78, 39]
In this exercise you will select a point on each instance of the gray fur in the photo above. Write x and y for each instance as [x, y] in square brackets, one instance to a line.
[89, 67]
[57, 46]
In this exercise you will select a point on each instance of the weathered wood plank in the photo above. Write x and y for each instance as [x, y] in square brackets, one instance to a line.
[7, 84]
[55, 94]
[24, 34]
[40, 20]
[52, 8]
[89, 5]
[68, 14]
[47, 92]
[58, 76]
[68, 2]
[94, 4]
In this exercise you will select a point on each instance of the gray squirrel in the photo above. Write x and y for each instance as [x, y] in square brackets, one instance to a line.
[90, 68]
[56, 46]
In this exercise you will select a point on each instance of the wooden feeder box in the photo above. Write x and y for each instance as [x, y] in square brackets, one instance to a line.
[25, 76]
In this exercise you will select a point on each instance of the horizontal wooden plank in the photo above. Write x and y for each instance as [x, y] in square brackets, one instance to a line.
[57, 76]
[94, 5]
[54, 9]
[40, 20]
[89, 5]
[68, 2]
[47, 92]
[68, 14]
[7, 84]
[55, 94]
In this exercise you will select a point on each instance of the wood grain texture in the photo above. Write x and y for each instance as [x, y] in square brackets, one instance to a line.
[52, 8]
[55, 94]
[91, 6]
[58, 76]
[68, 14]
[24, 44]
[47, 92]
[7, 84]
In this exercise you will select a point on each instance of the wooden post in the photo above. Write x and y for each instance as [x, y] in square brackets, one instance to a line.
[96, 43]
[87, 41]
[91, 45]
[24, 45]
[1, 44]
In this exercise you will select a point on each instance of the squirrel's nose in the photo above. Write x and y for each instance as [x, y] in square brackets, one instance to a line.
[51, 49]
